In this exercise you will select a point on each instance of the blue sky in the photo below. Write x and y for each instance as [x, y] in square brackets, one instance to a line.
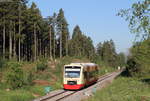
[96, 18]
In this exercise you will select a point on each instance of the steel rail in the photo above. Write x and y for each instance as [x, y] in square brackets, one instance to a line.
[49, 97]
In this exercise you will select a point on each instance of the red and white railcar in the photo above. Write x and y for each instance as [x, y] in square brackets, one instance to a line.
[79, 75]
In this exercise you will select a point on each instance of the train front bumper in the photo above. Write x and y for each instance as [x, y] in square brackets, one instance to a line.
[73, 87]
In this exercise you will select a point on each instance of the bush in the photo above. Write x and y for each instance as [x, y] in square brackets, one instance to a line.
[28, 78]
[15, 77]
[133, 68]
[140, 58]
[41, 66]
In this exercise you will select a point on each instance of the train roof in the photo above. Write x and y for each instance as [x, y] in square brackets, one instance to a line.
[82, 64]
[87, 66]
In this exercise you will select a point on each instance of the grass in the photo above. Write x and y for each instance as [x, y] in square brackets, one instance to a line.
[16, 95]
[25, 93]
[124, 89]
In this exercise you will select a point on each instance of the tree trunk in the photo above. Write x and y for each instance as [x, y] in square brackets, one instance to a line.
[35, 43]
[14, 46]
[22, 52]
[40, 49]
[50, 44]
[66, 45]
[19, 43]
[45, 52]
[10, 40]
[25, 52]
[60, 46]
[54, 46]
[4, 35]
[54, 43]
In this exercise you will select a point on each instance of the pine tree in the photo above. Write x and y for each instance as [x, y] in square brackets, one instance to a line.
[74, 46]
[62, 27]
[99, 49]
[81, 45]
[34, 19]
[107, 53]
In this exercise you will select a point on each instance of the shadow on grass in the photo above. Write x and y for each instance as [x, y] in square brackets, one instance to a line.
[146, 80]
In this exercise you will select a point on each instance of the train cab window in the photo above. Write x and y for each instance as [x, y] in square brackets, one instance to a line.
[72, 72]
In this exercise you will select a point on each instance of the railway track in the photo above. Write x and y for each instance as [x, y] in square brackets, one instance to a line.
[66, 96]
[105, 76]
[60, 95]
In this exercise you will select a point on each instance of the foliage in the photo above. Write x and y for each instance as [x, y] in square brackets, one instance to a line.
[138, 16]
[121, 58]
[28, 27]
[63, 31]
[40, 37]
[139, 22]
[132, 68]
[41, 65]
[44, 37]
[139, 60]
[107, 53]
[123, 89]
[14, 77]
[28, 78]
[81, 45]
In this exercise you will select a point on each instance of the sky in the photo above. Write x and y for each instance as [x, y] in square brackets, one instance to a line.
[96, 18]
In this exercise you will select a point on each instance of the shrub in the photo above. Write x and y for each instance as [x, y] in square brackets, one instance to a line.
[133, 68]
[140, 58]
[41, 66]
[28, 78]
[14, 78]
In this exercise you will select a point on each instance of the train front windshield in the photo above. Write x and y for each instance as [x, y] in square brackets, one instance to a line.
[72, 72]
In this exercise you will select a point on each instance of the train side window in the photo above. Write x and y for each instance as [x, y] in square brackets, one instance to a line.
[85, 74]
